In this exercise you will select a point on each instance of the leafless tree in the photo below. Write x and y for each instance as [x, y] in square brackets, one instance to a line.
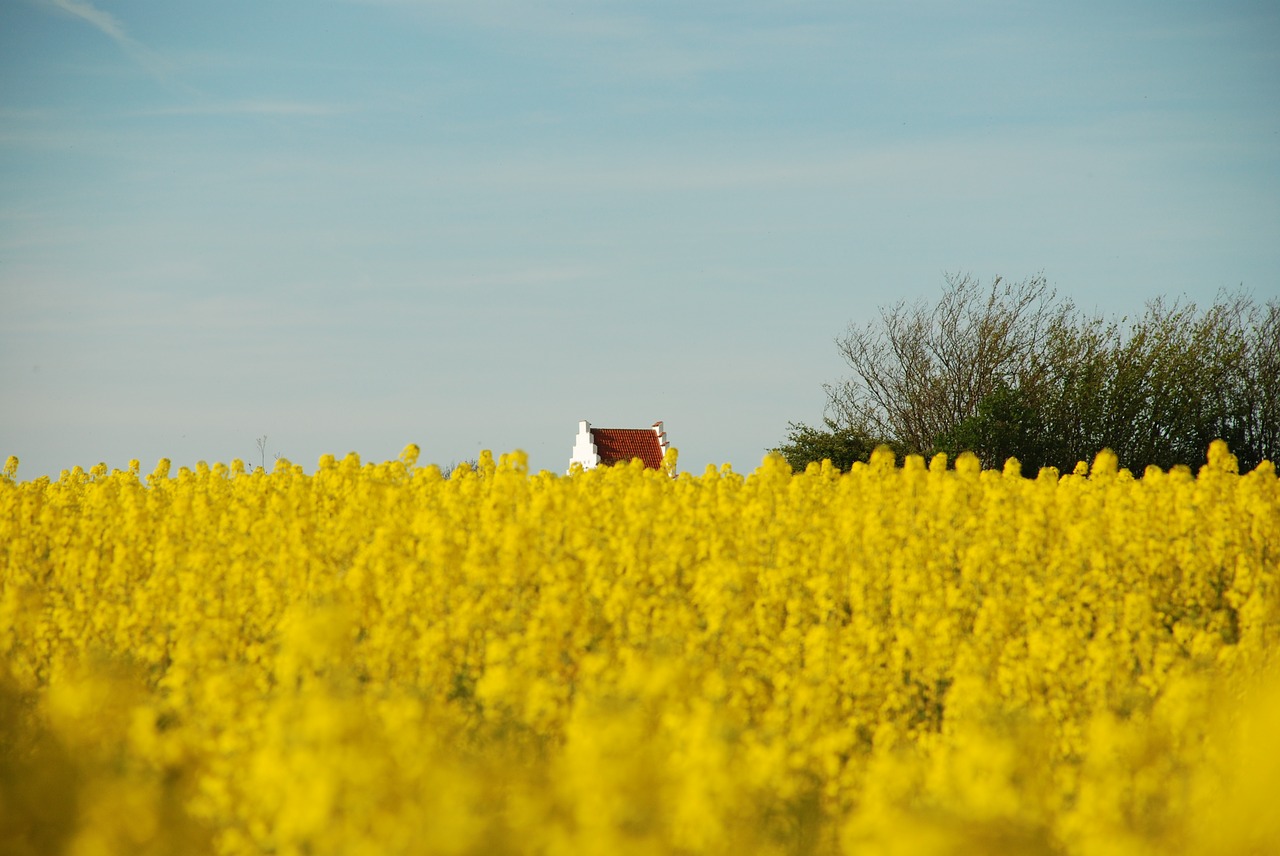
[921, 368]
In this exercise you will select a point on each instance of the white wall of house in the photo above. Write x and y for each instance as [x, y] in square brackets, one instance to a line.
[662, 439]
[584, 448]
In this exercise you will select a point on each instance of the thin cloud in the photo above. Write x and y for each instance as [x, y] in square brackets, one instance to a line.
[250, 108]
[628, 43]
[110, 26]
[104, 21]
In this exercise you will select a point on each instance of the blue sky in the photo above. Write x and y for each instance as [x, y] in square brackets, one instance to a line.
[355, 225]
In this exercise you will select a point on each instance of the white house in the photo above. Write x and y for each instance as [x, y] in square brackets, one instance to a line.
[596, 447]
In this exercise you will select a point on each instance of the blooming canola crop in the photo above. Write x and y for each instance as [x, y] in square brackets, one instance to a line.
[913, 657]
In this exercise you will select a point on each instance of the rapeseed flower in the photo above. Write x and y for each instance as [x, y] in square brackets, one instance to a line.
[905, 658]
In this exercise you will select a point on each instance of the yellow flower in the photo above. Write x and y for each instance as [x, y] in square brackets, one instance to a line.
[374, 658]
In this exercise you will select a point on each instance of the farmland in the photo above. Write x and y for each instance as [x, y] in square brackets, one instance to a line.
[915, 657]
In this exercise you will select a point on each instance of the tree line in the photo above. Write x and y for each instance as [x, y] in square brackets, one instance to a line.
[1012, 370]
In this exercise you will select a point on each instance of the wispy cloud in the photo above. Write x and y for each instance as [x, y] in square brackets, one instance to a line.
[104, 21]
[110, 26]
[254, 107]
[637, 42]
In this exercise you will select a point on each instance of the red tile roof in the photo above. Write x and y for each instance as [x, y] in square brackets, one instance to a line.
[623, 444]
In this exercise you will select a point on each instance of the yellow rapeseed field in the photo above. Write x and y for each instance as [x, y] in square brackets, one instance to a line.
[910, 658]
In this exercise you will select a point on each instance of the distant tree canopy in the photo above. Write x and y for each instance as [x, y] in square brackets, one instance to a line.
[1011, 370]
[841, 445]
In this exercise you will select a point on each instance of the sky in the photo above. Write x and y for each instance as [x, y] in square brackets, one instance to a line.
[350, 226]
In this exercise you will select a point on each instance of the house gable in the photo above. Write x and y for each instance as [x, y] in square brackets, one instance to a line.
[595, 447]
